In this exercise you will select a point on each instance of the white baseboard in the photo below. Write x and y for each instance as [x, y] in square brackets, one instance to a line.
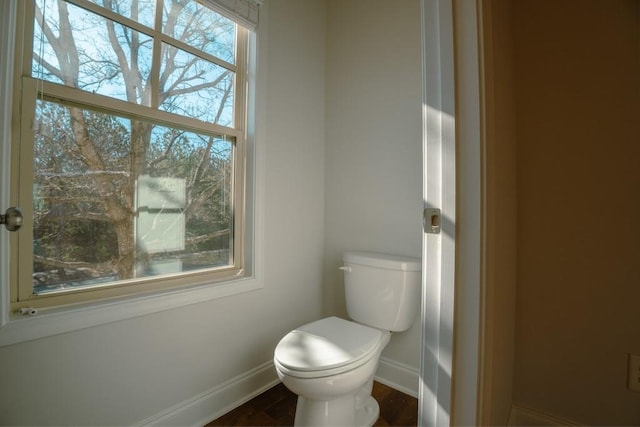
[523, 416]
[398, 376]
[217, 401]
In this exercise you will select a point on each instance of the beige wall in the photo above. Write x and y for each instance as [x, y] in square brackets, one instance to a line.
[373, 184]
[577, 86]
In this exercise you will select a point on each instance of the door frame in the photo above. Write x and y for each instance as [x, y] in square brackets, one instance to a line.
[453, 272]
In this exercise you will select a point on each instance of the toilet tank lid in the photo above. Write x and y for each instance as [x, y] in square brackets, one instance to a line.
[380, 260]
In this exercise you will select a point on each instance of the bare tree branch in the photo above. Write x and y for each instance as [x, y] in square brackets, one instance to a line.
[199, 239]
[203, 165]
[167, 151]
[90, 216]
[46, 65]
[227, 92]
[54, 262]
[195, 88]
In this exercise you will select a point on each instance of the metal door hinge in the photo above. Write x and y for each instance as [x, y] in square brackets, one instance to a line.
[431, 220]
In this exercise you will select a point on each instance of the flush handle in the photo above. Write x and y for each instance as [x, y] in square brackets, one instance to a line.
[345, 268]
[431, 220]
[12, 219]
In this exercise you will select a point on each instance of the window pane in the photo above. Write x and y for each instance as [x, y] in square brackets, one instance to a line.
[116, 199]
[194, 87]
[141, 11]
[200, 27]
[83, 50]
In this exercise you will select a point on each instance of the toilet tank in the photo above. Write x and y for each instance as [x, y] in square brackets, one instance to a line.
[382, 290]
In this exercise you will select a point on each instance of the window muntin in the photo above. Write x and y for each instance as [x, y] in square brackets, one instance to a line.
[125, 194]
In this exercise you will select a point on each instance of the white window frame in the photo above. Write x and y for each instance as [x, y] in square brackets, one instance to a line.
[16, 327]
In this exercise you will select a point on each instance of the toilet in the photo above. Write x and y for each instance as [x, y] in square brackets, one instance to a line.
[330, 363]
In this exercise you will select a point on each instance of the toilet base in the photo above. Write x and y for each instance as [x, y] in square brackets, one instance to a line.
[368, 413]
[352, 411]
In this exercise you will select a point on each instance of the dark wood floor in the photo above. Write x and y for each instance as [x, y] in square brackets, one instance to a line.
[277, 406]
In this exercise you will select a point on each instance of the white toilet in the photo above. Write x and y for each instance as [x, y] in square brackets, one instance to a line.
[330, 363]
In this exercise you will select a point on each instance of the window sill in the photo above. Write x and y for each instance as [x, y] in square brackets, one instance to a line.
[48, 322]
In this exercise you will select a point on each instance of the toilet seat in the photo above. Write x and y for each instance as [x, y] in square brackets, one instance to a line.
[327, 347]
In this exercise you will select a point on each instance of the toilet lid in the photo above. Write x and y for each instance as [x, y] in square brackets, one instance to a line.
[327, 343]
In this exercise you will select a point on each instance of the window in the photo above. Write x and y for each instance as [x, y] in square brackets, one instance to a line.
[129, 149]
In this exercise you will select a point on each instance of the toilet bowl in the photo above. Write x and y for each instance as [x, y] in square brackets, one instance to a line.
[330, 363]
